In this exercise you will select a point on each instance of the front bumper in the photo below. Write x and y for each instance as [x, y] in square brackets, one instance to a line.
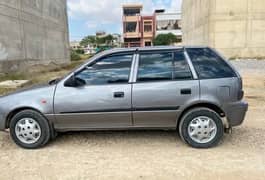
[236, 112]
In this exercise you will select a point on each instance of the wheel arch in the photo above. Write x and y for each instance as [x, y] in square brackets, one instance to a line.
[15, 111]
[209, 105]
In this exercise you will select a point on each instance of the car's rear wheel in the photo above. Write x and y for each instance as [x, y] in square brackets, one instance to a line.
[29, 129]
[201, 128]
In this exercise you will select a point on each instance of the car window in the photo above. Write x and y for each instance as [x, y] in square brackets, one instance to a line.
[155, 67]
[181, 66]
[109, 70]
[208, 64]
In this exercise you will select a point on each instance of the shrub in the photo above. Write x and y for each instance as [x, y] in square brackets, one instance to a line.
[75, 56]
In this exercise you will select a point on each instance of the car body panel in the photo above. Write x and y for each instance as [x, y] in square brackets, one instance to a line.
[39, 98]
[158, 103]
[92, 106]
[145, 105]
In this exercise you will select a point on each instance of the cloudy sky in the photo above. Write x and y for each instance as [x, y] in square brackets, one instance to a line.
[88, 16]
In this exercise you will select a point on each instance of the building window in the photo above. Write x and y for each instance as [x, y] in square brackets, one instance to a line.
[130, 27]
[147, 43]
[131, 12]
[148, 27]
[168, 25]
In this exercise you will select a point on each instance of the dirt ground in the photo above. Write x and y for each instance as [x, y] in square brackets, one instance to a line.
[146, 154]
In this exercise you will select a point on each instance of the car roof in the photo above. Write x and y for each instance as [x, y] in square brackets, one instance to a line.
[151, 48]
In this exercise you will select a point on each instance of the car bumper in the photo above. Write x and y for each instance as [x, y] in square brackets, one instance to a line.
[236, 113]
[2, 123]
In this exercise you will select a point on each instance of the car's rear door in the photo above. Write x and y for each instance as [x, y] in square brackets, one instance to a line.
[105, 100]
[163, 84]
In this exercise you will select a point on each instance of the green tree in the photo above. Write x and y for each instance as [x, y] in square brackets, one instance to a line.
[88, 40]
[97, 41]
[165, 39]
[75, 56]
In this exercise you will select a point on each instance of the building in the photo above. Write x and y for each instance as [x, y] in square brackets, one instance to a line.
[117, 40]
[101, 34]
[33, 32]
[138, 29]
[90, 49]
[75, 45]
[234, 27]
[168, 23]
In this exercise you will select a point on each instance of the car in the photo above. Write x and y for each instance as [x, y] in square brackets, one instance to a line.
[193, 90]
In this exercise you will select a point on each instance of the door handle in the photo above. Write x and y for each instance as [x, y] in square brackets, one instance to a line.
[185, 91]
[118, 94]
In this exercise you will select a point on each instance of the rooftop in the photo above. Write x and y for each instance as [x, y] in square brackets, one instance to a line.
[132, 6]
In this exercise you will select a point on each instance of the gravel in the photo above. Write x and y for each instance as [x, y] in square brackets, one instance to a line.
[149, 154]
[248, 65]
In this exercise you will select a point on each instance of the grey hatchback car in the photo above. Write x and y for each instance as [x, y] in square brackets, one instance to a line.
[191, 89]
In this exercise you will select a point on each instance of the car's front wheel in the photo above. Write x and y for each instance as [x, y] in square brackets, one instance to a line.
[201, 128]
[29, 129]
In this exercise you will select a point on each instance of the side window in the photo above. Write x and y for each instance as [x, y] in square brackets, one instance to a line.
[112, 69]
[155, 67]
[208, 64]
[181, 67]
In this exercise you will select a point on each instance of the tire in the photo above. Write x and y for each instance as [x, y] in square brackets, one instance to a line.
[192, 128]
[35, 121]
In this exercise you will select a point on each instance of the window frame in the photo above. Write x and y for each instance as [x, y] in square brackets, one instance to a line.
[172, 51]
[104, 57]
[188, 65]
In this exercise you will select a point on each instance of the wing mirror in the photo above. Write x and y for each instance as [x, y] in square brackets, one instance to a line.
[74, 81]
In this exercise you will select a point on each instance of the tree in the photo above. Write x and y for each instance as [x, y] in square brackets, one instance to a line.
[88, 40]
[108, 40]
[97, 41]
[165, 39]
[75, 56]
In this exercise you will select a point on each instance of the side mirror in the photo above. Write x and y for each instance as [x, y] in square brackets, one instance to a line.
[74, 81]
[54, 81]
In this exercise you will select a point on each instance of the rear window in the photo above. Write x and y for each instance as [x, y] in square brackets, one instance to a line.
[208, 64]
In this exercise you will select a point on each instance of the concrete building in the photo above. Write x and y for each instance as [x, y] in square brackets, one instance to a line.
[90, 49]
[33, 32]
[168, 23]
[75, 45]
[138, 29]
[117, 40]
[234, 27]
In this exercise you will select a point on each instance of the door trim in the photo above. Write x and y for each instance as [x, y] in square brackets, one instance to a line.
[169, 108]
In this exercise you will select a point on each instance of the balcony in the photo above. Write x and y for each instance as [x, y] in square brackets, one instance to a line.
[132, 35]
[136, 18]
[148, 34]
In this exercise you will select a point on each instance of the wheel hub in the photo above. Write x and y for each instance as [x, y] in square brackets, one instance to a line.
[28, 130]
[202, 129]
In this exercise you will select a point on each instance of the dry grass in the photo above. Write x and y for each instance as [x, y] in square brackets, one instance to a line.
[38, 77]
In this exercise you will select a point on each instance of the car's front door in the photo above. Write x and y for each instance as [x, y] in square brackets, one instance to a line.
[164, 83]
[105, 100]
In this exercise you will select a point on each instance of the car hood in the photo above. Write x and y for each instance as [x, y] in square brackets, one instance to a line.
[38, 97]
[29, 94]
[27, 89]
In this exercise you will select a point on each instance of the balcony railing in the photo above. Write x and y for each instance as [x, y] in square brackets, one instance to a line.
[136, 18]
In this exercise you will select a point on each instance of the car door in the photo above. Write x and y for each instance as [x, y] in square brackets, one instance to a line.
[105, 100]
[163, 84]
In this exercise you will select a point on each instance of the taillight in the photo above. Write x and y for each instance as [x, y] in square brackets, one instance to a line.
[240, 94]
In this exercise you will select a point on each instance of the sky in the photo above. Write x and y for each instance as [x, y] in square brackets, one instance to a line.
[88, 16]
